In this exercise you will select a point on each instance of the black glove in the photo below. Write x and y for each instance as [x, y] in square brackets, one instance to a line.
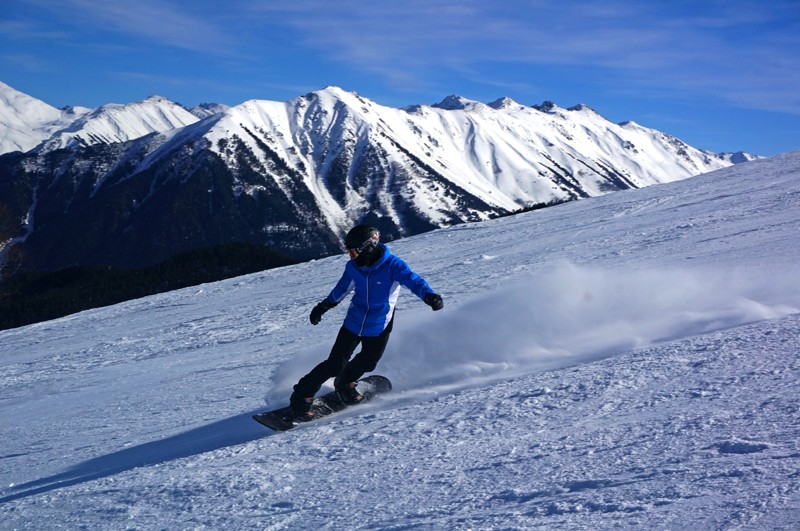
[434, 301]
[319, 309]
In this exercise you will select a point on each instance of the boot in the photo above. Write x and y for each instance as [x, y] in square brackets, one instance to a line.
[348, 394]
[301, 407]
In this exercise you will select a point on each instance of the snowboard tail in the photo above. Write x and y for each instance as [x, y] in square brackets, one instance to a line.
[283, 419]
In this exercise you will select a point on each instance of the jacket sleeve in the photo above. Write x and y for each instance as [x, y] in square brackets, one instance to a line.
[406, 277]
[342, 288]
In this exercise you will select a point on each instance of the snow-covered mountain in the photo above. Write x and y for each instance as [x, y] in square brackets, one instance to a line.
[738, 157]
[295, 175]
[113, 123]
[25, 122]
[505, 157]
[624, 362]
[204, 110]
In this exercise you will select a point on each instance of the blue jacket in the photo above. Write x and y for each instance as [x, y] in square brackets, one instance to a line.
[376, 288]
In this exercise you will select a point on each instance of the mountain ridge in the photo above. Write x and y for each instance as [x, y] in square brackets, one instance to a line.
[114, 123]
[129, 185]
[26, 121]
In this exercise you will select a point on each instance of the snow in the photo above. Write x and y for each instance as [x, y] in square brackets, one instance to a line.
[457, 160]
[505, 154]
[204, 110]
[113, 123]
[628, 361]
[26, 121]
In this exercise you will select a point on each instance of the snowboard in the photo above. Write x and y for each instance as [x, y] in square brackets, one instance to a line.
[282, 419]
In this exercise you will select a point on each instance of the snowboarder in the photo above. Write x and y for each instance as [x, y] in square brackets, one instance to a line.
[375, 276]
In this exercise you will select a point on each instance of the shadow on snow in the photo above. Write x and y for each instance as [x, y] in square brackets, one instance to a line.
[236, 430]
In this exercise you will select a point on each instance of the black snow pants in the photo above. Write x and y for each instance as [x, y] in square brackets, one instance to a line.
[339, 366]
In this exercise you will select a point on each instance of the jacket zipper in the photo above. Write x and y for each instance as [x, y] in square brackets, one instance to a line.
[366, 312]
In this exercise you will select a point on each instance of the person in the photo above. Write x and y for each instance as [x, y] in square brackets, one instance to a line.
[374, 275]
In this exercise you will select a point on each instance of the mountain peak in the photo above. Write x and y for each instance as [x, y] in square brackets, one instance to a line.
[331, 91]
[26, 121]
[113, 123]
[155, 99]
[738, 157]
[583, 108]
[330, 94]
[456, 103]
[630, 124]
[334, 89]
[504, 103]
[548, 107]
[208, 109]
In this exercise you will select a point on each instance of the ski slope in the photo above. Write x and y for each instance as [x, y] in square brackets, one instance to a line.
[627, 362]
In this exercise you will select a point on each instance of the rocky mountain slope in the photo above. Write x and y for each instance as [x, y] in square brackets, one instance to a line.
[133, 185]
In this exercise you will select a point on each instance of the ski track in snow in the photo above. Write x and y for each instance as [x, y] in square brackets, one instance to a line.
[629, 361]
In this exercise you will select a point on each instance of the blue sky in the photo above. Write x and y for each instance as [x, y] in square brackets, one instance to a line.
[722, 75]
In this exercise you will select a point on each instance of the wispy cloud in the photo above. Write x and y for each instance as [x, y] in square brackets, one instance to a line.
[212, 85]
[27, 30]
[744, 51]
[162, 22]
[28, 62]
[740, 51]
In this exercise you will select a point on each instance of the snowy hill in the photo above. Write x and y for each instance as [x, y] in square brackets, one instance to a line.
[624, 362]
[113, 123]
[295, 175]
[507, 156]
[25, 121]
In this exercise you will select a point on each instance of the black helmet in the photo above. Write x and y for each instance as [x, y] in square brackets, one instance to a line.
[361, 242]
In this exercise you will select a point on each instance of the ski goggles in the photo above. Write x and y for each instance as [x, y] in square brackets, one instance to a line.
[369, 244]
